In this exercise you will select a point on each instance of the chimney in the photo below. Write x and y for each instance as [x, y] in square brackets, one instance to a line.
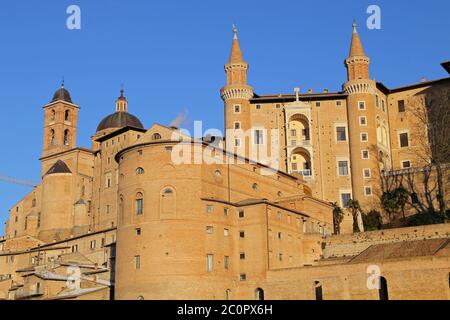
[297, 91]
[310, 91]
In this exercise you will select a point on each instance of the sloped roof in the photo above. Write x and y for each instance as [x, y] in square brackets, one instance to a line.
[399, 250]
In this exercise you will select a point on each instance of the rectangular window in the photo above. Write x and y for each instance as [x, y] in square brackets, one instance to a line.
[139, 208]
[92, 244]
[226, 232]
[209, 208]
[383, 107]
[280, 257]
[365, 154]
[237, 142]
[74, 248]
[367, 173]
[343, 168]
[242, 277]
[242, 256]
[225, 212]
[338, 103]
[237, 125]
[242, 234]
[364, 137]
[294, 167]
[137, 262]
[209, 262]
[226, 262]
[237, 109]
[138, 231]
[293, 133]
[341, 134]
[362, 121]
[401, 105]
[241, 214]
[345, 197]
[317, 104]
[368, 191]
[362, 105]
[209, 229]
[258, 107]
[406, 164]
[280, 236]
[377, 101]
[404, 141]
[259, 137]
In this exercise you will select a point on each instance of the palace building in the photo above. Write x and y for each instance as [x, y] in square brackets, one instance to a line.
[122, 220]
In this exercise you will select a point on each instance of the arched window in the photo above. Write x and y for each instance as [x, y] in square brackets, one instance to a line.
[259, 294]
[66, 137]
[279, 194]
[140, 171]
[53, 116]
[168, 201]
[156, 136]
[52, 137]
[139, 204]
[384, 294]
[67, 115]
[255, 186]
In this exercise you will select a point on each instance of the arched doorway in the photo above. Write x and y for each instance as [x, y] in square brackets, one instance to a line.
[384, 294]
[318, 290]
[299, 132]
[259, 294]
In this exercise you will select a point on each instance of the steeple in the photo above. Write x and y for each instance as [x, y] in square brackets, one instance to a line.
[122, 103]
[236, 53]
[357, 62]
[356, 48]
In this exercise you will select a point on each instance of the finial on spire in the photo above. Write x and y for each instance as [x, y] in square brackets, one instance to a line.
[354, 25]
[235, 31]
[62, 82]
[121, 90]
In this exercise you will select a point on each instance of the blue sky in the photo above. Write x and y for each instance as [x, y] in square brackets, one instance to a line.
[170, 56]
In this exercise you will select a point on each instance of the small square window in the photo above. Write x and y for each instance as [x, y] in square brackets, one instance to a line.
[209, 229]
[362, 105]
[242, 256]
[368, 191]
[242, 277]
[338, 103]
[209, 208]
[406, 164]
[362, 121]
[367, 173]
[138, 231]
[341, 134]
[317, 104]
[242, 234]
[258, 107]
[365, 154]
[364, 137]
[241, 214]
[237, 125]
[237, 109]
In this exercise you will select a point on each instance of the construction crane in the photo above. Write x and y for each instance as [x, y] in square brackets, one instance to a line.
[22, 182]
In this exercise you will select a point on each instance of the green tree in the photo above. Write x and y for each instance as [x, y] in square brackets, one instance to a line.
[402, 197]
[372, 221]
[355, 208]
[390, 204]
[338, 217]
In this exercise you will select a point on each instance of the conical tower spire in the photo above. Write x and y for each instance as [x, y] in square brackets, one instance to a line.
[236, 53]
[356, 48]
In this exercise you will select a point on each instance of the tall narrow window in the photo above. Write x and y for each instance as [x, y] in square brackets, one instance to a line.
[209, 262]
[52, 137]
[66, 137]
[228, 294]
[404, 141]
[259, 137]
[226, 262]
[341, 134]
[137, 262]
[53, 116]
[67, 115]
[343, 168]
[139, 204]
[401, 105]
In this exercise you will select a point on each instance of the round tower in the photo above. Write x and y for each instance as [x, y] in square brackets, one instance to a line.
[361, 114]
[236, 96]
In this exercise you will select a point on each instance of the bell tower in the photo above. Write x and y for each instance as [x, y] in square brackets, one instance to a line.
[236, 95]
[60, 123]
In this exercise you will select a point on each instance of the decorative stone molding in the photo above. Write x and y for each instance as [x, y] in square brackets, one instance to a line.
[360, 86]
[236, 92]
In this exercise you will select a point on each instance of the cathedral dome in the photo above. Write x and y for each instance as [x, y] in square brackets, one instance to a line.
[62, 94]
[119, 120]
